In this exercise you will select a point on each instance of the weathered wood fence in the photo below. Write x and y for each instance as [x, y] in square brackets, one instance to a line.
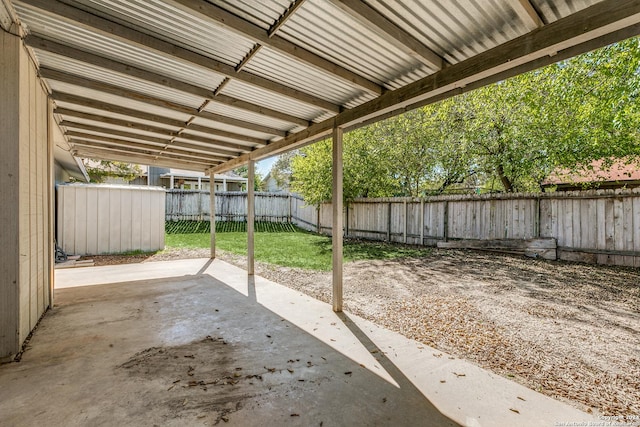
[230, 206]
[601, 226]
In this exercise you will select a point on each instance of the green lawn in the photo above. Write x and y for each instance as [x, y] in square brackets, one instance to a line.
[294, 249]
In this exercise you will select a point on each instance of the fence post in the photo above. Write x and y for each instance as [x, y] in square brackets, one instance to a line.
[421, 221]
[536, 224]
[406, 222]
[346, 222]
[290, 209]
[445, 220]
[318, 218]
[389, 222]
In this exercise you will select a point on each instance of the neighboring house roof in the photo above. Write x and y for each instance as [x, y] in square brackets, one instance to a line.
[63, 157]
[202, 176]
[621, 172]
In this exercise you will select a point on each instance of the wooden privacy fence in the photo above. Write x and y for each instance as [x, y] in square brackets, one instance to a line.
[599, 226]
[230, 206]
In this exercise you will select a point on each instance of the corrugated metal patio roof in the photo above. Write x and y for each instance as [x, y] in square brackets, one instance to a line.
[208, 85]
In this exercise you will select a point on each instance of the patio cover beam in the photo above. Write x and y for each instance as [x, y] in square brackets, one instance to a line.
[126, 69]
[338, 218]
[82, 82]
[251, 217]
[212, 214]
[132, 36]
[591, 28]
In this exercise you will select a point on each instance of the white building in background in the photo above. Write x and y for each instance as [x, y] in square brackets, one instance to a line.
[180, 179]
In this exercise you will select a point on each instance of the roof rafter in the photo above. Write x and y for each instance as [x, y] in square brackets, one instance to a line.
[51, 74]
[168, 133]
[143, 152]
[108, 143]
[245, 28]
[284, 17]
[586, 30]
[404, 40]
[158, 142]
[37, 42]
[150, 160]
[136, 37]
[527, 13]
[105, 106]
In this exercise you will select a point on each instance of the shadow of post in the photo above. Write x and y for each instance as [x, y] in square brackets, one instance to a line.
[251, 289]
[407, 389]
[204, 267]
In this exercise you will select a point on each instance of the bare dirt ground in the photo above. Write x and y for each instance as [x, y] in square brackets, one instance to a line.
[568, 330]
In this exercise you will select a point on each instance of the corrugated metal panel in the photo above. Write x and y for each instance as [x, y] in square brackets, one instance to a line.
[112, 48]
[261, 13]
[322, 28]
[237, 113]
[228, 128]
[188, 131]
[287, 71]
[271, 100]
[114, 115]
[117, 100]
[552, 10]
[169, 23]
[104, 219]
[109, 126]
[456, 30]
[89, 71]
[205, 146]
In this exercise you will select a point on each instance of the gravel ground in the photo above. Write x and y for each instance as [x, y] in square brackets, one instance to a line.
[568, 330]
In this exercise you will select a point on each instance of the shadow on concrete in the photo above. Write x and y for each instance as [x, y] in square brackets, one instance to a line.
[408, 391]
[194, 349]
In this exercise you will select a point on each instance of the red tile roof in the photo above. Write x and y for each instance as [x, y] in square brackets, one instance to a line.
[596, 171]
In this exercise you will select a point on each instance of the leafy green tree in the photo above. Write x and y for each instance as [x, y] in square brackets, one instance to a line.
[281, 169]
[243, 171]
[98, 170]
[504, 137]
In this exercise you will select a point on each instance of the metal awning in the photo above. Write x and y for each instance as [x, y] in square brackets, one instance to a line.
[209, 85]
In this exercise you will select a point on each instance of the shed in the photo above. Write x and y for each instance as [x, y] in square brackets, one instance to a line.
[95, 219]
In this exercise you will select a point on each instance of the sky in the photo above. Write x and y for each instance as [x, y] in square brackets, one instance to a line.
[264, 166]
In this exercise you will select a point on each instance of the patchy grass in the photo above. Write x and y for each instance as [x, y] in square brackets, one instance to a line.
[297, 249]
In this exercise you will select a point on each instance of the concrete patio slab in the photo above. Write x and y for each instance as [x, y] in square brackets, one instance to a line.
[195, 342]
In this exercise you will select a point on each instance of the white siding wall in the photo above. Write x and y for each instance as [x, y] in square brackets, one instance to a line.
[105, 219]
[25, 190]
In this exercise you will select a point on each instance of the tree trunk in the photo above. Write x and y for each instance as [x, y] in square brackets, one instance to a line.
[506, 182]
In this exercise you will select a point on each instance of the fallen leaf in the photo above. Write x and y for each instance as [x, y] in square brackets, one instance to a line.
[514, 410]
[521, 398]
